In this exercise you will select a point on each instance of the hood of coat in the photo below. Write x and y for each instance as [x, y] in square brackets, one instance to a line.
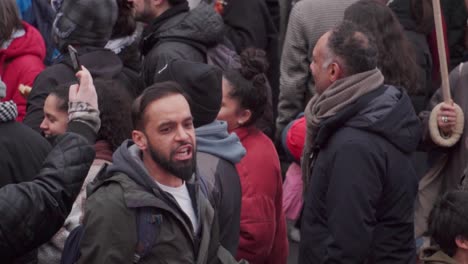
[392, 116]
[433, 255]
[30, 43]
[102, 63]
[127, 159]
[386, 111]
[214, 139]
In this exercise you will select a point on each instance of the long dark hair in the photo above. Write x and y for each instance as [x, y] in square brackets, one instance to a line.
[396, 58]
[125, 24]
[9, 19]
[249, 83]
[423, 14]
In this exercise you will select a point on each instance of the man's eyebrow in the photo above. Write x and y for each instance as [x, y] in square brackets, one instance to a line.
[166, 123]
[190, 118]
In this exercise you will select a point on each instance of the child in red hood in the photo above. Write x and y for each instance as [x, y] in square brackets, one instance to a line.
[22, 52]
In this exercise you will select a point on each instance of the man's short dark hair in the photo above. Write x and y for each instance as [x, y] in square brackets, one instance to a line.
[354, 46]
[152, 93]
[448, 220]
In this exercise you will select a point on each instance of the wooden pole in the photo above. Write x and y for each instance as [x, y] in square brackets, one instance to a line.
[441, 48]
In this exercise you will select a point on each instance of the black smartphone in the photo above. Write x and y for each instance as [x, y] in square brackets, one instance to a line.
[74, 58]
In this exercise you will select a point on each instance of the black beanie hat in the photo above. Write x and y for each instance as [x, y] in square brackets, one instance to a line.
[203, 84]
[86, 22]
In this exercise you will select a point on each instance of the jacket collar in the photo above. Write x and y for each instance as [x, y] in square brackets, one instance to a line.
[330, 125]
[150, 34]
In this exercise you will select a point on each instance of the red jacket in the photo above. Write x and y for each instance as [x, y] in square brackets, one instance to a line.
[20, 63]
[263, 237]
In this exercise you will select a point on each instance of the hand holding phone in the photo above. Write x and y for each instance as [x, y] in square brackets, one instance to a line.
[74, 58]
[84, 91]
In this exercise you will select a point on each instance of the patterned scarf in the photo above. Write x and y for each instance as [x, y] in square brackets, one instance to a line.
[8, 111]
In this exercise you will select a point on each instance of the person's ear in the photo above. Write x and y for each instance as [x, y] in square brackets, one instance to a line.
[334, 72]
[461, 242]
[140, 139]
[244, 117]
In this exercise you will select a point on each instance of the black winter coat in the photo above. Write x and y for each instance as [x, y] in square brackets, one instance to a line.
[249, 24]
[22, 152]
[32, 212]
[102, 63]
[359, 205]
[179, 34]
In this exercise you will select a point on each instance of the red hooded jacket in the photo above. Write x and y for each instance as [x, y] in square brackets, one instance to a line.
[20, 63]
[263, 237]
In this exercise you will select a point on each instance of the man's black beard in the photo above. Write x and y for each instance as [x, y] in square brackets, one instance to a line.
[182, 169]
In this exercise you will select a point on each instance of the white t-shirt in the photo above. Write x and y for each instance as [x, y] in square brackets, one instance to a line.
[182, 197]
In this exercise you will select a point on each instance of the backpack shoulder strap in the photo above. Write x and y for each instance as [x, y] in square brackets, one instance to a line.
[71, 249]
[148, 227]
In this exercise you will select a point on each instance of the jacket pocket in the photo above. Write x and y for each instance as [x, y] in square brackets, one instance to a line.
[257, 228]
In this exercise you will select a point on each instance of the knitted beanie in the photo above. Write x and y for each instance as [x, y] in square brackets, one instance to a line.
[85, 22]
[202, 82]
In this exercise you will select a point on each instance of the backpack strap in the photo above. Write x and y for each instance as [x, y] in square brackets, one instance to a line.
[71, 249]
[148, 227]
[209, 190]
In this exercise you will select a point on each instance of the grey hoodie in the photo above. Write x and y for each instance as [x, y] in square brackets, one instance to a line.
[217, 153]
[214, 139]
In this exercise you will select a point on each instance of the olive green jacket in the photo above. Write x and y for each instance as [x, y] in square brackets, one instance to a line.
[110, 229]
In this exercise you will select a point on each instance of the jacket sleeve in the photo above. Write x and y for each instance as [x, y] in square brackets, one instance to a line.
[230, 188]
[109, 228]
[294, 71]
[351, 199]
[279, 251]
[32, 212]
[455, 76]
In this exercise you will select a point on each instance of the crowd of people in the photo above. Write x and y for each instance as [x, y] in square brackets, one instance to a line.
[219, 131]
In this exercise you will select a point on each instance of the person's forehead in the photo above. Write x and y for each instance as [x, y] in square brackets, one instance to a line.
[172, 108]
[321, 45]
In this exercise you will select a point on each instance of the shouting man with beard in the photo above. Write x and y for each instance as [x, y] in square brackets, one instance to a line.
[153, 170]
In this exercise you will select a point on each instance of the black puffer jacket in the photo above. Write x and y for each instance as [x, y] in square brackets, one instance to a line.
[359, 206]
[22, 153]
[32, 212]
[102, 63]
[179, 34]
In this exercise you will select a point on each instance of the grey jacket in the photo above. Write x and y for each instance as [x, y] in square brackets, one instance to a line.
[217, 153]
[308, 21]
